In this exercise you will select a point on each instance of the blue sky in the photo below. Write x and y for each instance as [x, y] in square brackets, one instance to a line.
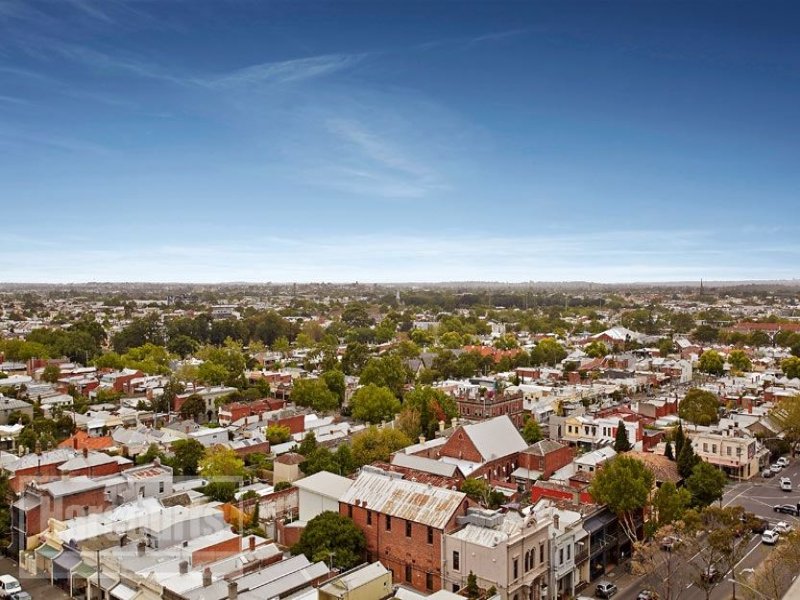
[398, 141]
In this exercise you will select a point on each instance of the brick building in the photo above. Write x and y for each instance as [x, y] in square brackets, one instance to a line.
[41, 466]
[489, 449]
[541, 460]
[477, 402]
[404, 523]
[64, 499]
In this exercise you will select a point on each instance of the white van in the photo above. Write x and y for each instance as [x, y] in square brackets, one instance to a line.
[786, 484]
[9, 586]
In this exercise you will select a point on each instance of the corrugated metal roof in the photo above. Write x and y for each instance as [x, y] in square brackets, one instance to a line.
[404, 499]
[421, 463]
[496, 437]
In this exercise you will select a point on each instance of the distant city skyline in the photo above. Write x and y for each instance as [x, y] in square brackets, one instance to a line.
[387, 142]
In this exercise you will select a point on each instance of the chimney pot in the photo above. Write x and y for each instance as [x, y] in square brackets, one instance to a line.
[184, 567]
[206, 577]
[85, 453]
[75, 442]
[233, 590]
[421, 439]
[252, 543]
[140, 548]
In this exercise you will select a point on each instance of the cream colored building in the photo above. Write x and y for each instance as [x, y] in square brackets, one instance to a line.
[734, 451]
[368, 582]
[507, 551]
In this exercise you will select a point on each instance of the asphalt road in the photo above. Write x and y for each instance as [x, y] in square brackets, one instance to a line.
[756, 495]
[38, 587]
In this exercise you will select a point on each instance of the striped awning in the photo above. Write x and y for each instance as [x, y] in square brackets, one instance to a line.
[83, 570]
[47, 551]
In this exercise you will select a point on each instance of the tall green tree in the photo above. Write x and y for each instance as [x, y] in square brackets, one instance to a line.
[375, 444]
[668, 451]
[670, 502]
[791, 367]
[531, 432]
[374, 404]
[188, 454]
[740, 361]
[786, 414]
[314, 393]
[699, 407]
[621, 442]
[389, 371]
[431, 405]
[687, 460]
[711, 362]
[333, 539]
[706, 484]
[624, 484]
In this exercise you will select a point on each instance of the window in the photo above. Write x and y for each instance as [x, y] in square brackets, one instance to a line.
[561, 556]
[569, 552]
[408, 573]
[713, 448]
[705, 447]
[541, 552]
[408, 528]
[516, 568]
[350, 510]
[456, 587]
[430, 535]
[388, 523]
[429, 580]
[369, 517]
[729, 450]
[456, 561]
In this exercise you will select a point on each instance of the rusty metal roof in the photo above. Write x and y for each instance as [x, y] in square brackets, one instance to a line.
[417, 502]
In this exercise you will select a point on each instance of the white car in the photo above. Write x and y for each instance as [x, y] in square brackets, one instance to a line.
[782, 527]
[9, 586]
[786, 484]
[769, 537]
[776, 468]
[782, 461]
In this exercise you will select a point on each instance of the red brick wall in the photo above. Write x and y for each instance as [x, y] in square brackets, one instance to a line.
[460, 446]
[396, 550]
[296, 423]
[217, 551]
[63, 508]
[40, 475]
[548, 463]
[106, 469]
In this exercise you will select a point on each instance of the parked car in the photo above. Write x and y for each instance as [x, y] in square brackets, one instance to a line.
[605, 589]
[711, 574]
[786, 484]
[767, 473]
[23, 595]
[759, 525]
[786, 509]
[669, 542]
[782, 461]
[9, 586]
[770, 537]
[782, 527]
[647, 595]
[775, 468]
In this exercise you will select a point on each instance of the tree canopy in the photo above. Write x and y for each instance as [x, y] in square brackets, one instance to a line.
[711, 362]
[624, 485]
[333, 539]
[314, 393]
[375, 444]
[374, 404]
[706, 483]
[699, 407]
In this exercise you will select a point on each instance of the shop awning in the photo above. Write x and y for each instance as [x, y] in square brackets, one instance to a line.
[597, 523]
[63, 564]
[83, 570]
[122, 592]
[47, 551]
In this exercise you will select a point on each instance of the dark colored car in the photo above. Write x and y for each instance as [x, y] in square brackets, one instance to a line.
[605, 589]
[786, 509]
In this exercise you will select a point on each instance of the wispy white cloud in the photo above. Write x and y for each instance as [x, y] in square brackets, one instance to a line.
[286, 71]
[91, 9]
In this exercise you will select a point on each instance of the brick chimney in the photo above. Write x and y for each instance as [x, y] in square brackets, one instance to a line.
[183, 567]
[206, 577]
[75, 442]
[252, 543]
[233, 590]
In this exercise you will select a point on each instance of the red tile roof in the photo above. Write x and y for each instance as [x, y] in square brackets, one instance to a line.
[82, 440]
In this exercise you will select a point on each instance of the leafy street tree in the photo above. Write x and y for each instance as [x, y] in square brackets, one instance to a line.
[664, 572]
[278, 434]
[791, 367]
[621, 442]
[188, 454]
[548, 352]
[6, 498]
[711, 362]
[687, 459]
[665, 347]
[308, 445]
[706, 483]
[221, 462]
[334, 379]
[739, 361]
[375, 444]
[432, 406]
[387, 371]
[624, 485]
[668, 451]
[680, 438]
[670, 502]
[774, 575]
[374, 404]
[531, 432]
[355, 357]
[332, 538]
[699, 407]
[596, 349]
[480, 491]
[314, 393]
[51, 373]
[786, 414]
[193, 407]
